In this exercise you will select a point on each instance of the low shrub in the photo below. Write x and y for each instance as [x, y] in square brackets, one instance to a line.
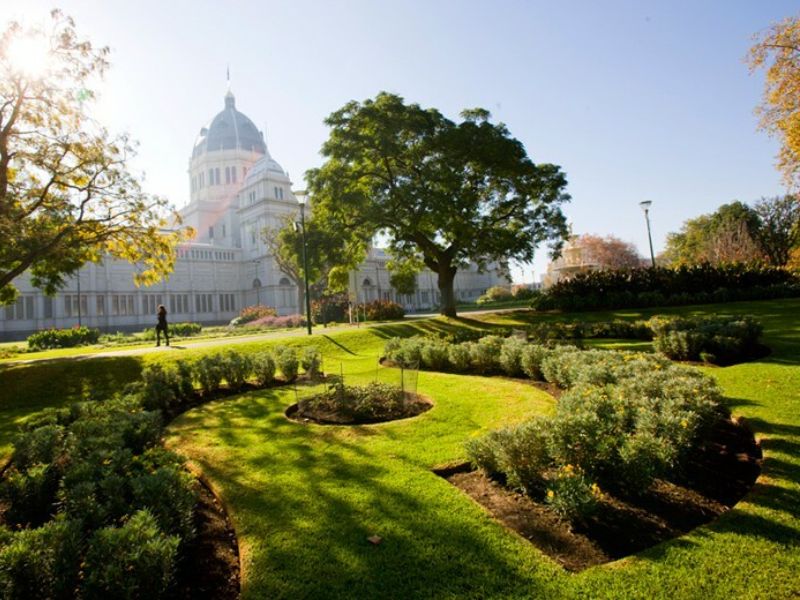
[496, 293]
[625, 419]
[530, 361]
[371, 402]
[133, 560]
[383, 310]
[251, 313]
[183, 329]
[264, 368]
[162, 388]
[287, 362]
[459, 357]
[63, 338]
[275, 322]
[312, 362]
[522, 292]
[721, 340]
[208, 371]
[571, 495]
[434, 355]
[510, 358]
[42, 562]
[235, 369]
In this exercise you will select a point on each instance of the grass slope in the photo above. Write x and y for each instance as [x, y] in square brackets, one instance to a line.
[304, 499]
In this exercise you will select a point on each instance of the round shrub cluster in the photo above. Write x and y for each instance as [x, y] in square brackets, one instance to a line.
[371, 402]
[97, 507]
[63, 338]
[625, 419]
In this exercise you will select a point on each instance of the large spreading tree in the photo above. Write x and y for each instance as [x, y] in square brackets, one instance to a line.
[66, 193]
[443, 192]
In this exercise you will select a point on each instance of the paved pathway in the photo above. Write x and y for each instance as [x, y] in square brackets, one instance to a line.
[187, 343]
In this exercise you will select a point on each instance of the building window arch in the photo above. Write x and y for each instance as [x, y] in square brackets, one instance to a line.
[284, 282]
[256, 283]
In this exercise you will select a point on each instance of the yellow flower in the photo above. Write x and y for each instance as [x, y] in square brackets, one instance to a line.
[684, 423]
[550, 494]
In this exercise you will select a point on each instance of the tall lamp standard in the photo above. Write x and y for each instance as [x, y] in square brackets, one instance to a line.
[302, 199]
[646, 208]
[257, 281]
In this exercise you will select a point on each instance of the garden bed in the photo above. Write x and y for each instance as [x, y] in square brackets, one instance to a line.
[210, 565]
[357, 405]
[723, 468]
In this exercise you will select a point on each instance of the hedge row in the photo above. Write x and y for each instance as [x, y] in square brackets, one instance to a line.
[95, 507]
[719, 340]
[183, 329]
[63, 338]
[643, 287]
[624, 420]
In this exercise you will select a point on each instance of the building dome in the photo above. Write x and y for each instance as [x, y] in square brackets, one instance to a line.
[262, 168]
[229, 130]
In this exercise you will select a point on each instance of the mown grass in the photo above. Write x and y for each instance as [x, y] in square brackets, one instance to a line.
[304, 499]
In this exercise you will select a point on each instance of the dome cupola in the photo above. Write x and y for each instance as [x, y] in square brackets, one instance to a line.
[229, 130]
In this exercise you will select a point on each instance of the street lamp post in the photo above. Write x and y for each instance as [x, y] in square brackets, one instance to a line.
[302, 199]
[257, 282]
[646, 208]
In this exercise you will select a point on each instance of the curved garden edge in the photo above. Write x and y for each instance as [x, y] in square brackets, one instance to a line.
[626, 525]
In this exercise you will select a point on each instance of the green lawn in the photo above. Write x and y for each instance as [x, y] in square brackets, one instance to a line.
[304, 498]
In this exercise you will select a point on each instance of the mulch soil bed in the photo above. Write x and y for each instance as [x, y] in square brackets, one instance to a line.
[719, 473]
[209, 567]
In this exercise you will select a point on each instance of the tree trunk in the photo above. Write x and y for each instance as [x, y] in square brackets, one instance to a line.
[447, 275]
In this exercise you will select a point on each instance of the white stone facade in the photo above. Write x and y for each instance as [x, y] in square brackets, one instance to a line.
[236, 189]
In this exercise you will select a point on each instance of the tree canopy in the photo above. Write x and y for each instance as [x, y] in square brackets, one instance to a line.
[764, 233]
[443, 192]
[778, 51]
[331, 253]
[66, 194]
[610, 252]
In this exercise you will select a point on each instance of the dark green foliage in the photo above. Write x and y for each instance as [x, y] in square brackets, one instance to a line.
[626, 419]
[660, 286]
[208, 371]
[88, 469]
[63, 338]
[134, 560]
[720, 340]
[41, 563]
[264, 368]
[31, 494]
[371, 402]
[312, 362]
[236, 368]
[287, 362]
[169, 493]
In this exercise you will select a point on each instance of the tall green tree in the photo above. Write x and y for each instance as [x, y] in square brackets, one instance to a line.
[66, 193]
[450, 192]
[331, 254]
[778, 230]
[727, 235]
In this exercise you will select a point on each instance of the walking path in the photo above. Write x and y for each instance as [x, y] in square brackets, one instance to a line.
[187, 343]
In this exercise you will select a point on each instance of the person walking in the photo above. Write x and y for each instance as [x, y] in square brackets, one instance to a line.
[162, 325]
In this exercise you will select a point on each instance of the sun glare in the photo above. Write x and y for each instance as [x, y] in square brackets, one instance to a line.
[29, 55]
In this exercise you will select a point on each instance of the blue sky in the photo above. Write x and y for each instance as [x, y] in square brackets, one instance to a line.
[634, 100]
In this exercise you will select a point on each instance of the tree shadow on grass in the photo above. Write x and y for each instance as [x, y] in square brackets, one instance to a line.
[305, 503]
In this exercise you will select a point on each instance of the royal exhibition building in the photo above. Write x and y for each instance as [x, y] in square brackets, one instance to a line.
[236, 190]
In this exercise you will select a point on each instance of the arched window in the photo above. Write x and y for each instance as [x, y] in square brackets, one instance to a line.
[367, 282]
[284, 281]
[256, 283]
